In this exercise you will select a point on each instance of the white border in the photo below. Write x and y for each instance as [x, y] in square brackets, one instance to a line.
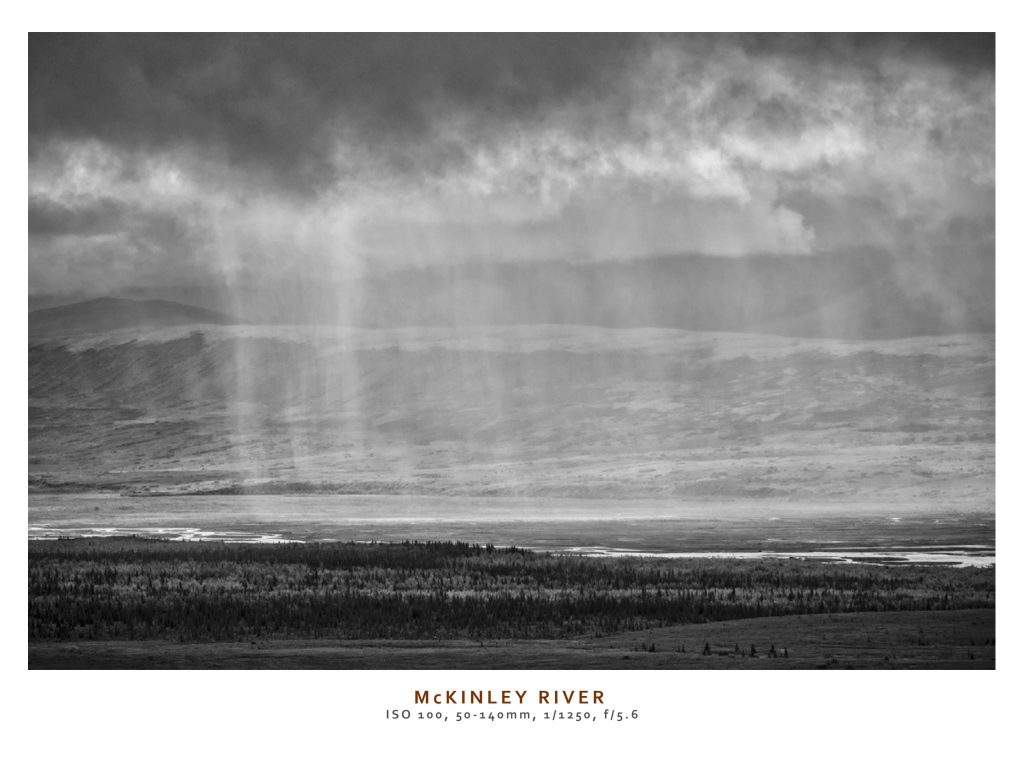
[693, 721]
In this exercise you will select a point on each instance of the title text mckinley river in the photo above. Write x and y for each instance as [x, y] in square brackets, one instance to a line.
[509, 697]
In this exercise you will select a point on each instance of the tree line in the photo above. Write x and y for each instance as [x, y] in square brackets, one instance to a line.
[206, 591]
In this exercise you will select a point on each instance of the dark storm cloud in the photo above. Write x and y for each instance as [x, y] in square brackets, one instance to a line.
[969, 52]
[99, 217]
[258, 160]
[47, 218]
[277, 104]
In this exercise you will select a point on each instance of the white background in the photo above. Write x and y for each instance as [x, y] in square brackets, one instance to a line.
[700, 722]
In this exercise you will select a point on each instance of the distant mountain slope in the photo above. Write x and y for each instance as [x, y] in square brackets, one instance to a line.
[518, 410]
[110, 314]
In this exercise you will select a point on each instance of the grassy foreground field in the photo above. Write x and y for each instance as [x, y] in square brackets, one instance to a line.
[132, 603]
[902, 640]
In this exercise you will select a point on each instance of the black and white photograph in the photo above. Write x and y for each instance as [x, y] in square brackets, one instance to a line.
[481, 351]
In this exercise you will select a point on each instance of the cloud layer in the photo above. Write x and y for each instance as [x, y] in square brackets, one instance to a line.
[182, 160]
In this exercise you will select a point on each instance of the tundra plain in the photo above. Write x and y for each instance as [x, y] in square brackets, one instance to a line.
[126, 602]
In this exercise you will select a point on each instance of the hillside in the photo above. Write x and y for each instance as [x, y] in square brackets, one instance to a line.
[111, 314]
[539, 410]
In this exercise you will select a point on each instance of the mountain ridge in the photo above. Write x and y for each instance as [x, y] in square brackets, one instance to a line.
[110, 313]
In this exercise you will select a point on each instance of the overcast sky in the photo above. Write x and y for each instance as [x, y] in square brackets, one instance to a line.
[177, 160]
